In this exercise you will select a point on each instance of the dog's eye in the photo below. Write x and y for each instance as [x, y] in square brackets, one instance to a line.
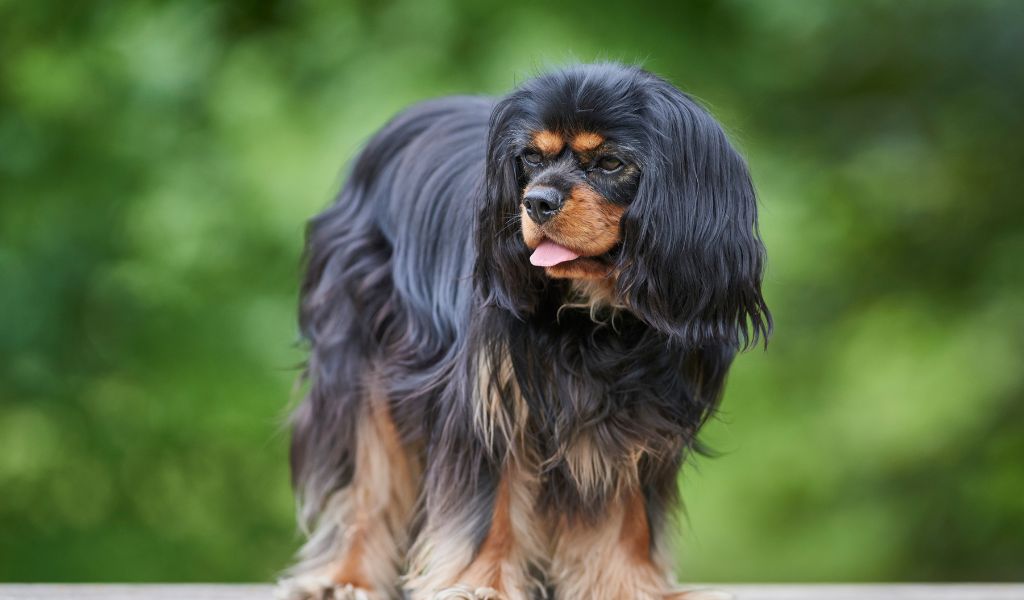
[532, 158]
[609, 164]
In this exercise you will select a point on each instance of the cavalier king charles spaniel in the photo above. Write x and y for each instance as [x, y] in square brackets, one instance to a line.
[520, 312]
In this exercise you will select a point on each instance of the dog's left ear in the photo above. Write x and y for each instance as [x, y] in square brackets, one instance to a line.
[692, 258]
[504, 276]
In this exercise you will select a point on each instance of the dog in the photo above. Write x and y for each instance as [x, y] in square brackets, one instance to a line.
[520, 312]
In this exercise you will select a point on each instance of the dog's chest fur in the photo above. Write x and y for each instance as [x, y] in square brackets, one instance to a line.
[586, 433]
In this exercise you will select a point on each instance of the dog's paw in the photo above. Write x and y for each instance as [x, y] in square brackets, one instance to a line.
[463, 592]
[320, 588]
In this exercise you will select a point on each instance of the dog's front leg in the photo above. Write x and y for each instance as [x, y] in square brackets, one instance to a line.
[482, 544]
[615, 558]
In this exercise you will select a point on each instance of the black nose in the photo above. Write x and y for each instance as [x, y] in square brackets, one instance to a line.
[542, 203]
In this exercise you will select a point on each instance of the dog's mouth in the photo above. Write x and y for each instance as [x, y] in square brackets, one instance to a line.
[562, 262]
[550, 253]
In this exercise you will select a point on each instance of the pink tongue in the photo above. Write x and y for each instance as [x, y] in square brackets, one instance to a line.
[549, 254]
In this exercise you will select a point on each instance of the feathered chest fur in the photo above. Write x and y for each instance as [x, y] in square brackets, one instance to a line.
[589, 406]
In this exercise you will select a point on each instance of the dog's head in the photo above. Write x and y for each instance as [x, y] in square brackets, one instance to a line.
[610, 175]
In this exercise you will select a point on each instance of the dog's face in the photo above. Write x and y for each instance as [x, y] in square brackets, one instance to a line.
[615, 176]
[577, 187]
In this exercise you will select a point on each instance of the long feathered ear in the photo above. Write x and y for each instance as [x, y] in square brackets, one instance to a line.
[692, 258]
[504, 276]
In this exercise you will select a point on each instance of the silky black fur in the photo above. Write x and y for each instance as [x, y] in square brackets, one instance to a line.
[418, 271]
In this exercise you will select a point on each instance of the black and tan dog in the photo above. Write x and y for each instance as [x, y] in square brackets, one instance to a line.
[520, 313]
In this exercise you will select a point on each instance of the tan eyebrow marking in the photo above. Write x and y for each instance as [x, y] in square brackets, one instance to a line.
[548, 142]
[586, 141]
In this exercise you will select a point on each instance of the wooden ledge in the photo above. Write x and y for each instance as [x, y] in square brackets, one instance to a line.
[742, 592]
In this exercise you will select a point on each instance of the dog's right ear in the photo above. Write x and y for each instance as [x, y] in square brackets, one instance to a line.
[503, 273]
[692, 260]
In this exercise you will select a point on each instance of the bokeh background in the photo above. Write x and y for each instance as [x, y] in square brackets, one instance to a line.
[158, 161]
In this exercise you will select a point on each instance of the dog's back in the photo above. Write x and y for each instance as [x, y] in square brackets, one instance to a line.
[387, 283]
[409, 187]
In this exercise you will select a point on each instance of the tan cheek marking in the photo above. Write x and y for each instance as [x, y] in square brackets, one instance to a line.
[548, 142]
[588, 222]
[586, 141]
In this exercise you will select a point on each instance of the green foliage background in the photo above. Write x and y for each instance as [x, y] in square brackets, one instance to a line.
[158, 161]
